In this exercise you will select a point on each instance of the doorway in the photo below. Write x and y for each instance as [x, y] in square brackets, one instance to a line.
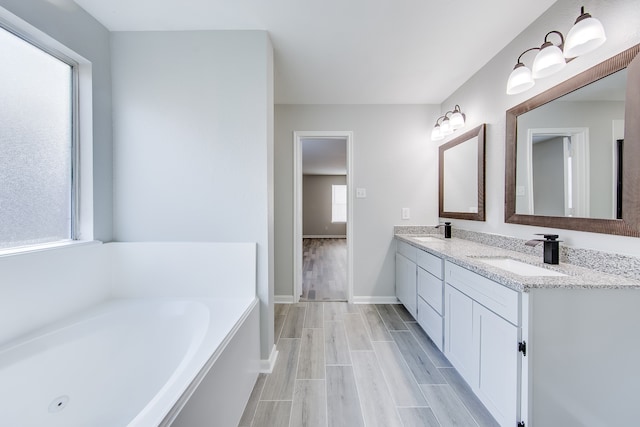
[558, 172]
[323, 200]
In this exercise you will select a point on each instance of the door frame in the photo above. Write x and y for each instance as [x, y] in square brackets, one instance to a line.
[298, 137]
[581, 175]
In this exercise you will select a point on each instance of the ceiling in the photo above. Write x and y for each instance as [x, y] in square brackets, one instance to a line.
[324, 156]
[348, 51]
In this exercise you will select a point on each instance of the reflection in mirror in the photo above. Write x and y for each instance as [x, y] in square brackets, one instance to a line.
[572, 152]
[462, 176]
[568, 153]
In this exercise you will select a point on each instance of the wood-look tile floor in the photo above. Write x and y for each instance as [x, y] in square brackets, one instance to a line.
[343, 365]
[324, 270]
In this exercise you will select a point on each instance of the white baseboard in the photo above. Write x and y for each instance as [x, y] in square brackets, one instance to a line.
[266, 366]
[375, 300]
[283, 299]
[288, 299]
[324, 236]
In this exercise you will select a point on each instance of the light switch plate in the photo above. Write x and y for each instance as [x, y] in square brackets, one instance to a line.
[406, 213]
[361, 193]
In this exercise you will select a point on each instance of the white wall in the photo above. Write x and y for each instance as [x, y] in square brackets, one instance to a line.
[393, 158]
[81, 33]
[192, 143]
[483, 99]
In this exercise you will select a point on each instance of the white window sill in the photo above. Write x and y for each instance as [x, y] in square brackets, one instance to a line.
[46, 247]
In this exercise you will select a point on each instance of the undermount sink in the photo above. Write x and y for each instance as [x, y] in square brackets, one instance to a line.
[518, 267]
[428, 239]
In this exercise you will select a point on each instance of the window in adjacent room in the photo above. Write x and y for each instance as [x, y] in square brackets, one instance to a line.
[338, 203]
[37, 148]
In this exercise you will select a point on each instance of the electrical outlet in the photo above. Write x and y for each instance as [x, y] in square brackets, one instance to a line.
[361, 193]
[406, 213]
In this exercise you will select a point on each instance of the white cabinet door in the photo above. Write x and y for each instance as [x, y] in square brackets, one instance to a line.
[458, 328]
[497, 381]
[406, 289]
[430, 321]
[430, 289]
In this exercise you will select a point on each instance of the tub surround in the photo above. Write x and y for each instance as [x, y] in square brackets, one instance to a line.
[610, 264]
[39, 288]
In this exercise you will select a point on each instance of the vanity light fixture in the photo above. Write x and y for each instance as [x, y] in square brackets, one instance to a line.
[520, 78]
[550, 59]
[447, 124]
[586, 35]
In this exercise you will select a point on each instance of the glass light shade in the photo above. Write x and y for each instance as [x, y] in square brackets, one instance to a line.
[445, 127]
[520, 80]
[436, 135]
[548, 61]
[456, 120]
[586, 35]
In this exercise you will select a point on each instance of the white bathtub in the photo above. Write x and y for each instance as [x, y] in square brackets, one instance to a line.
[130, 362]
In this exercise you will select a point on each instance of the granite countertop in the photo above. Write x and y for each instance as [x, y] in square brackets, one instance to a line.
[465, 253]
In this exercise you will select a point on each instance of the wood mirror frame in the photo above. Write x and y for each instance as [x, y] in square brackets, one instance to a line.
[629, 225]
[475, 216]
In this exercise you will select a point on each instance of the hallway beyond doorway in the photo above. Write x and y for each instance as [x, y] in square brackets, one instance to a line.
[324, 269]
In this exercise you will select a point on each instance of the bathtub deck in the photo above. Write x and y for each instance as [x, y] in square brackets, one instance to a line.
[356, 365]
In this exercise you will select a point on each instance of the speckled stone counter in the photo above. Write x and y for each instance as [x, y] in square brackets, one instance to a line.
[465, 253]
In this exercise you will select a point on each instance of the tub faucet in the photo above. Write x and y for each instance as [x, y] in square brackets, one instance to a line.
[447, 229]
[551, 247]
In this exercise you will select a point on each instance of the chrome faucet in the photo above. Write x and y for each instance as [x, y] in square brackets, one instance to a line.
[551, 247]
[447, 229]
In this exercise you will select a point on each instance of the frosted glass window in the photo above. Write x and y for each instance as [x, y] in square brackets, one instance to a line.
[338, 203]
[36, 149]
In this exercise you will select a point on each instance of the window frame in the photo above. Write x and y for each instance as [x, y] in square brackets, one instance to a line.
[334, 204]
[81, 226]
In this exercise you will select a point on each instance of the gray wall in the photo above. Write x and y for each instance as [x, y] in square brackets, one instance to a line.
[193, 147]
[80, 32]
[316, 205]
[483, 99]
[393, 158]
[548, 177]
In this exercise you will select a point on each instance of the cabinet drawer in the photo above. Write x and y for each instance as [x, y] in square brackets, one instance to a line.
[431, 322]
[430, 262]
[430, 289]
[497, 298]
[406, 250]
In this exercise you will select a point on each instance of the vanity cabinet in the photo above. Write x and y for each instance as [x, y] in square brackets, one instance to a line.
[419, 287]
[406, 277]
[481, 339]
[560, 353]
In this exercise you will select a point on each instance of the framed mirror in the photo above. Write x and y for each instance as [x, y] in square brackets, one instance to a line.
[461, 176]
[572, 151]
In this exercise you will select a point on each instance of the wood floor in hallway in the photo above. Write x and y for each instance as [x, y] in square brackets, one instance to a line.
[343, 365]
[324, 270]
